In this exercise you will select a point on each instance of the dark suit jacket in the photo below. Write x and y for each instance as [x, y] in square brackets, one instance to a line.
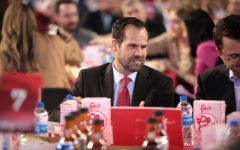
[215, 85]
[153, 87]
[94, 22]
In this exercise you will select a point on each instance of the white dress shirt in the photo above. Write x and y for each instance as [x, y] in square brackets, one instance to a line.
[117, 77]
[236, 82]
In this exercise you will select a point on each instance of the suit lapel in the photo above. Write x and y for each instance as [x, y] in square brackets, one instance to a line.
[140, 87]
[227, 90]
[106, 82]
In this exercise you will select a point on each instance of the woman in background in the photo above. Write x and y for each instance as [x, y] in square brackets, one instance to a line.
[207, 55]
[180, 43]
[175, 46]
[25, 49]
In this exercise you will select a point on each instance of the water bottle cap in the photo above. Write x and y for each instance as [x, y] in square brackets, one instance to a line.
[40, 105]
[183, 98]
[69, 97]
[234, 123]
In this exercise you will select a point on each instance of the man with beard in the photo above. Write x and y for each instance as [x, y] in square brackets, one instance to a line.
[126, 80]
[67, 17]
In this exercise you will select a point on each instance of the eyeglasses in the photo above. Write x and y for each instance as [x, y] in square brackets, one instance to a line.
[232, 57]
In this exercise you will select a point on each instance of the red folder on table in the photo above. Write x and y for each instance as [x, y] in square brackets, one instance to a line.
[129, 125]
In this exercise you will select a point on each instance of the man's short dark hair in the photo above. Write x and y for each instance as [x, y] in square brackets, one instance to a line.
[226, 27]
[60, 2]
[118, 28]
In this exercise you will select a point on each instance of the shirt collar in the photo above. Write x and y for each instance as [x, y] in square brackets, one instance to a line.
[118, 76]
[234, 78]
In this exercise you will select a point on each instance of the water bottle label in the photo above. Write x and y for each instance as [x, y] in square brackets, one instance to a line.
[41, 128]
[65, 146]
[41, 117]
[187, 120]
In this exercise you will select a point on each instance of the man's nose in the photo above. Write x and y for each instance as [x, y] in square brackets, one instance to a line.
[138, 51]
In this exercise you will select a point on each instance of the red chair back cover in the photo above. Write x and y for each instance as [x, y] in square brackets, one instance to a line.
[19, 93]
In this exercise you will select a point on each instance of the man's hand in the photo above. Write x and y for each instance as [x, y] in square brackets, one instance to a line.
[141, 104]
[79, 101]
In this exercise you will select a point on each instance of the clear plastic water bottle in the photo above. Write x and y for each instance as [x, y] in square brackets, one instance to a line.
[187, 121]
[41, 116]
[233, 135]
[66, 108]
[233, 130]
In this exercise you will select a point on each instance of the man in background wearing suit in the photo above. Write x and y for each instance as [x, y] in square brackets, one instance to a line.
[126, 80]
[101, 20]
[223, 82]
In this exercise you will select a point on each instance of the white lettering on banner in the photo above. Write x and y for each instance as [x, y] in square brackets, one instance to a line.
[18, 96]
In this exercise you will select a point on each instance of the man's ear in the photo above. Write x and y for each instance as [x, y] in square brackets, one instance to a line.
[114, 45]
[219, 52]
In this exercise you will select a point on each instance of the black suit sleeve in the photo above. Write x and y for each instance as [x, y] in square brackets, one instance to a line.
[78, 89]
[200, 89]
[169, 95]
[161, 93]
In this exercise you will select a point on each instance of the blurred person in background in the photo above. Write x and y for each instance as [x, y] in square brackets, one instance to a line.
[233, 7]
[215, 8]
[179, 46]
[68, 18]
[44, 13]
[3, 7]
[136, 8]
[207, 55]
[101, 20]
[115, 8]
[83, 9]
[222, 82]
[27, 47]
[164, 7]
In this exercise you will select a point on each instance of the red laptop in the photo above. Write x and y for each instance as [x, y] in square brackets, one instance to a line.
[129, 125]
